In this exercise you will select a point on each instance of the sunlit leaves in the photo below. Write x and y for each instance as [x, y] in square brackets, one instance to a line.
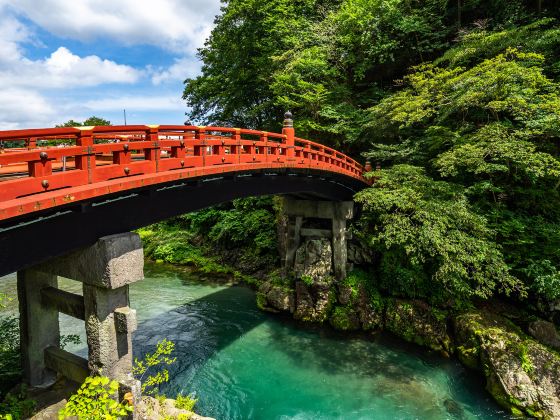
[436, 231]
[96, 399]
[160, 357]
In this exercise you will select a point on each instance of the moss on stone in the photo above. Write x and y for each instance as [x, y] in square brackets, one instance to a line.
[415, 322]
[261, 301]
[522, 375]
[344, 318]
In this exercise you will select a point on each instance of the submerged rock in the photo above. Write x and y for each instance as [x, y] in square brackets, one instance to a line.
[345, 318]
[522, 374]
[417, 322]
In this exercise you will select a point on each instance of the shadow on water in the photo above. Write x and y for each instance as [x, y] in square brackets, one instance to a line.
[199, 328]
[202, 326]
[392, 366]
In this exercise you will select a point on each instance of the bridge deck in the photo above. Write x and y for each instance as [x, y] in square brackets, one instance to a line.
[47, 168]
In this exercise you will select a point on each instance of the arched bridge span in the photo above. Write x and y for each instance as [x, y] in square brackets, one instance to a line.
[63, 188]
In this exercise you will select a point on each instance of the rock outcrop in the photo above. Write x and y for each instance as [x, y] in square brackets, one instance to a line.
[521, 374]
[314, 260]
[276, 297]
[150, 408]
[544, 332]
[314, 301]
[419, 323]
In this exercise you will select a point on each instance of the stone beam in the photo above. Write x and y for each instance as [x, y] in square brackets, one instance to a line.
[38, 326]
[319, 209]
[69, 365]
[112, 262]
[62, 301]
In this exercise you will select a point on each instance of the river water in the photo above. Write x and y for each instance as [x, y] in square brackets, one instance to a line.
[245, 364]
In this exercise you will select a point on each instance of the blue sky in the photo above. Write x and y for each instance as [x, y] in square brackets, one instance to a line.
[62, 59]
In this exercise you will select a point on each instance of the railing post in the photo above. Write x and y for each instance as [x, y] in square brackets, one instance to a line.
[264, 139]
[86, 162]
[237, 147]
[200, 149]
[289, 132]
[153, 153]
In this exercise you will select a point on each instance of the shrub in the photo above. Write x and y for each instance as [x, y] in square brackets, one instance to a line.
[95, 400]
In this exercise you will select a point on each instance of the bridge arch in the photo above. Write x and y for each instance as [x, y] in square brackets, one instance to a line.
[63, 188]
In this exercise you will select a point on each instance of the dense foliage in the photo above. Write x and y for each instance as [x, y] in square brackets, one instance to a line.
[221, 239]
[458, 101]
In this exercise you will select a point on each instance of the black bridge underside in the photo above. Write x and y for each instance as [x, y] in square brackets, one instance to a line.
[36, 238]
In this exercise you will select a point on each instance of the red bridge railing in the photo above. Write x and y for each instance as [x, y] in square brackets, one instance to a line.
[44, 168]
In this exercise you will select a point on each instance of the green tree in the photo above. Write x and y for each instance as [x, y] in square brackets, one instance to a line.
[91, 121]
[492, 129]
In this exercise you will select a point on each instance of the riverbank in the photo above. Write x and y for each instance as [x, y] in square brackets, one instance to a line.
[515, 351]
[243, 363]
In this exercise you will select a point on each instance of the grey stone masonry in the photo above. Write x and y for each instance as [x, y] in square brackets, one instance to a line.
[106, 269]
[112, 262]
[38, 325]
[297, 211]
[110, 345]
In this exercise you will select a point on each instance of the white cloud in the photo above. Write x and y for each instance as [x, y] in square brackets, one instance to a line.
[24, 107]
[43, 91]
[177, 25]
[13, 32]
[62, 69]
[179, 71]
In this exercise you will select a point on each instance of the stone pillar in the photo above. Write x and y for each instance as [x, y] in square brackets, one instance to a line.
[340, 255]
[39, 328]
[338, 212]
[106, 269]
[292, 242]
[109, 327]
[342, 211]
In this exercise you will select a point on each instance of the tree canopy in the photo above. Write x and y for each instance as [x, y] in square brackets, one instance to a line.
[91, 121]
[459, 102]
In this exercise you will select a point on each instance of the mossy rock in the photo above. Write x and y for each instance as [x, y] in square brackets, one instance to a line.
[345, 318]
[418, 323]
[522, 374]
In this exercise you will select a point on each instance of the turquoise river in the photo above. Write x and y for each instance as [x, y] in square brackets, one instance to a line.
[245, 364]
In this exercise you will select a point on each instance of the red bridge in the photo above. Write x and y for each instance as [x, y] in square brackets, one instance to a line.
[62, 188]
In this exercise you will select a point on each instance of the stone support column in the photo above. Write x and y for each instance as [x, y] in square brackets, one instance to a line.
[293, 241]
[342, 211]
[340, 253]
[338, 212]
[109, 326]
[39, 328]
[106, 269]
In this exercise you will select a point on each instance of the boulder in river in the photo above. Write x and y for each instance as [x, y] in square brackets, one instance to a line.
[417, 322]
[521, 374]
